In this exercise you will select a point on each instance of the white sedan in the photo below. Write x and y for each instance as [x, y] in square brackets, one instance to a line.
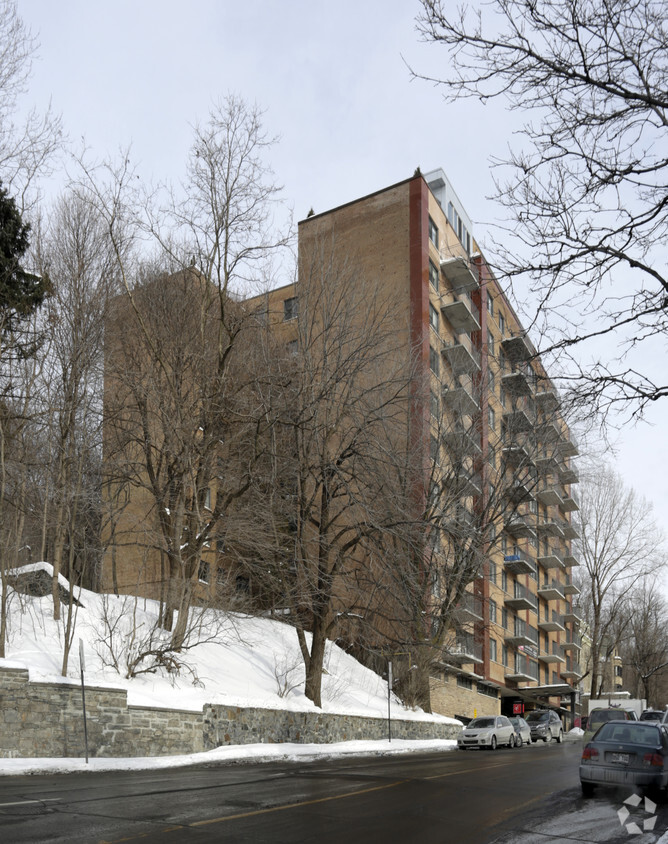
[489, 731]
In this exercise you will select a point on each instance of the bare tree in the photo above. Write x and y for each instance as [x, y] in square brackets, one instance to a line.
[585, 187]
[183, 431]
[26, 149]
[338, 393]
[645, 648]
[620, 547]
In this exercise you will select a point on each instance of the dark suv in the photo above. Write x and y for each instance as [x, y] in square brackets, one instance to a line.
[545, 724]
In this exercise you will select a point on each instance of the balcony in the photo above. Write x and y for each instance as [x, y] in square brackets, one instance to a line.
[567, 475]
[546, 464]
[519, 491]
[517, 383]
[516, 422]
[551, 560]
[459, 272]
[462, 316]
[462, 443]
[551, 591]
[570, 561]
[569, 446]
[550, 528]
[518, 527]
[521, 599]
[547, 399]
[519, 563]
[464, 650]
[572, 671]
[549, 495]
[469, 609]
[548, 432]
[522, 635]
[516, 348]
[573, 616]
[462, 360]
[553, 624]
[570, 588]
[552, 656]
[460, 401]
[571, 530]
[516, 456]
[569, 503]
[573, 642]
[522, 669]
[468, 485]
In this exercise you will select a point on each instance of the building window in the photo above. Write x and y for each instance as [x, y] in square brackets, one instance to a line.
[433, 447]
[464, 682]
[504, 655]
[433, 317]
[491, 456]
[491, 380]
[204, 572]
[433, 404]
[492, 611]
[504, 618]
[502, 323]
[434, 364]
[207, 498]
[490, 305]
[293, 347]
[502, 396]
[504, 581]
[433, 232]
[290, 308]
[492, 649]
[491, 418]
[433, 275]
[492, 572]
[490, 342]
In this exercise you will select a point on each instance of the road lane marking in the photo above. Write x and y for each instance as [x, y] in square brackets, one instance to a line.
[30, 802]
[300, 803]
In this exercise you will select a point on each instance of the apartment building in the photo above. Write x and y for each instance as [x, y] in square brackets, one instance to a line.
[490, 436]
[494, 412]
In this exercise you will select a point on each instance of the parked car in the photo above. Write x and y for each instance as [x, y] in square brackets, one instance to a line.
[598, 717]
[652, 715]
[545, 724]
[522, 730]
[490, 731]
[626, 752]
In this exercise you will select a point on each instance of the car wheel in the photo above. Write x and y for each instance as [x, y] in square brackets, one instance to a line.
[492, 744]
[560, 737]
[518, 741]
[587, 789]
[547, 738]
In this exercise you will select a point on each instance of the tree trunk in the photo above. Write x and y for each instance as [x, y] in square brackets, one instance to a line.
[313, 684]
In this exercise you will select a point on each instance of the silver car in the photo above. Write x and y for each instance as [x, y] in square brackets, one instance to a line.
[522, 730]
[545, 724]
[488, 731]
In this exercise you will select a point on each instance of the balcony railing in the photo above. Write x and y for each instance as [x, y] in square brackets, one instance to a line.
[553, 623]
[462, 314]
[459, 271]
[461, 359]
[460, 400]
[519, 563]
[572, 642]
[464, 649]
[516, 348]
[551, 590]
[469, 608]
[521, 599]
[547, 398]
[551, 559]
[520, 528]
[522, 634]
[523, 669]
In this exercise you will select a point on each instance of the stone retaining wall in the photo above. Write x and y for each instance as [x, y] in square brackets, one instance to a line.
[45, 719]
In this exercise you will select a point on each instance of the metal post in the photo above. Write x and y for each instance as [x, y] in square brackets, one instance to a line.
[83, 694]
[389, 696]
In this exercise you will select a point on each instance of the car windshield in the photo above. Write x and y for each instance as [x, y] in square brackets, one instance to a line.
[605, 715]
[479, 723]
[651, 716]
[537, 716]
[634, 733]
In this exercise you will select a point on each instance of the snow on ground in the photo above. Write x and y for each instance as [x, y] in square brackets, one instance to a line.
[245, 661]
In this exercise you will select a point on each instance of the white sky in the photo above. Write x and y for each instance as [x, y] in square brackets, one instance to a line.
[333, 80]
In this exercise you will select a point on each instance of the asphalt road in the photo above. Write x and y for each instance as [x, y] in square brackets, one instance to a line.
[526, 796]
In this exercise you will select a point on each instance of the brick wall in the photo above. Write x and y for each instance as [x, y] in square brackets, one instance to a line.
[45, 720]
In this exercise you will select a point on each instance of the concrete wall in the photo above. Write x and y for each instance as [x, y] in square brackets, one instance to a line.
[45, 720]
